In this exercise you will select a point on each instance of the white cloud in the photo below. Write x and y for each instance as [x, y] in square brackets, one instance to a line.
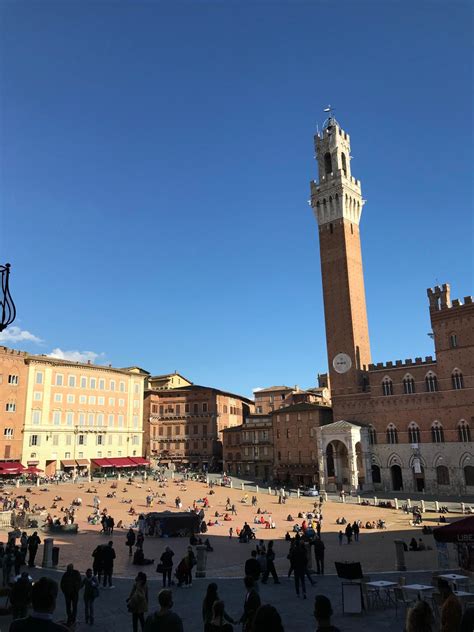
[15, 334]
[75, 356]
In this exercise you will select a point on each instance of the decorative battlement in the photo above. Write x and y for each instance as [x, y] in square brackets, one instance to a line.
[440, 298]
[14, 352]
[399, 364]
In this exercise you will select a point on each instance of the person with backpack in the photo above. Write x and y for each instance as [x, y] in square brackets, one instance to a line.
[91, 592]
[137, 602]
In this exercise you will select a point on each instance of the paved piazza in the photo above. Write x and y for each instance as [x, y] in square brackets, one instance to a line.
[375, 551]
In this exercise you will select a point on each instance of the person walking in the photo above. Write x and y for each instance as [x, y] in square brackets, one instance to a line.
[319, 555]
[165, 620]
[24, 546]
[71, 585]
[190, 563]
[355, 531]
[8, 560]
[166, 561]
[20, 596]
[98, 563]
[252, 568]
[130, 541]
[270, 556]
[137, 602]
[33, 543]
[91, 592]
[299, 560]
[108, 556]
[251, 604]
[349, 533]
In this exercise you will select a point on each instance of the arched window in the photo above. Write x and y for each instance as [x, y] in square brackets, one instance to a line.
[392, 434]
[457, 379]
[408, 385]
[437, 433]
[469, 475]
[372, 436]
[344, 166]
[442, 475]
[431, 382]
[453, 341]
[327, 163]
[387, 386]
[376, 478]
[464, 432]
[413, 433]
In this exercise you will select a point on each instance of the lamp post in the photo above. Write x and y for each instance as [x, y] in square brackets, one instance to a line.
[7, 306]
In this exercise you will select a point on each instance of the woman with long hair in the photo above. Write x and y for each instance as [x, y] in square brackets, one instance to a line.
[208, 604]
[419, 618]
[137, 601]
[218, 621]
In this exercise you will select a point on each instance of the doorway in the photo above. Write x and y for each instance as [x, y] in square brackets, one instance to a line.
[397, 478]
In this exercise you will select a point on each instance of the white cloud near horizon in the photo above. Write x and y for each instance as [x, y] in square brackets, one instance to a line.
[16, 334]
[75, 355]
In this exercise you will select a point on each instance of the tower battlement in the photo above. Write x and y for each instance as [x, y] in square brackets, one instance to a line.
[399, 364]
[440, 298]
[15, 352]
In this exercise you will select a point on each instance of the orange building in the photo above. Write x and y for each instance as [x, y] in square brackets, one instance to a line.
[13, 386]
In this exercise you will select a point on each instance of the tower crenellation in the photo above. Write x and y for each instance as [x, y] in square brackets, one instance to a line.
[338, 194]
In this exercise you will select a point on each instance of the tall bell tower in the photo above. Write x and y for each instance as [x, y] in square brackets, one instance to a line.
[337, 204]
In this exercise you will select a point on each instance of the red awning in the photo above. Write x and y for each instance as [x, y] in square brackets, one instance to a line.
[33, 470]
[83, 462]
[102, 462]
[139, 460]
[459, 531]
[122, 461]
[11, 467]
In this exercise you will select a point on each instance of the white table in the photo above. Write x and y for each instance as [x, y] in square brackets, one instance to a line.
[454, 578]
[382, 586]
[418, 587]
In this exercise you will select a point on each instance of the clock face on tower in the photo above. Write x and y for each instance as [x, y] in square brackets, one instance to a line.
[341, 363]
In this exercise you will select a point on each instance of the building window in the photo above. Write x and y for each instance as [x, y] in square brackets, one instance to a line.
[100, 419]
[82, 399]
[71, 381]
[36, 417]
[408, 385]
[8, 433]
[59, 379]
[10, 407]
[100, 439]
[376, 475]
[13, 379]
[58, 397]
[204, 407]
[178, 409]
[392, 434]
[34, 440]
[122, 387]
[287, 433]
[121, 403]
[469, 475]
[70, 399]
[90, 419]
[55, 439]
[258, 410]
[81, 439]
[431, 382]
[38, 396]
[56, 418]
[195, 409]
[70, 419]
[196, 429]
[289, 456]
[112, 385]
[111, 421]
[464, 432]
[39, 377]
[101, 401]
[186, 408]
[442, 475]
[279, 456]
[82, 419]
[387, 386]
[453, 341]
[437, 433]
[457, 380]
[413, 433]
[102, 385]
[300, 433]
[372, 436]
[83, 381]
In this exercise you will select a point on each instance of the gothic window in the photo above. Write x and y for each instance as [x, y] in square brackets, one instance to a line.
[408, 385]
[431, 382]
[387, 386]
[457, 379]
[437, 433]
[464, 432]
[327, 163]
[469, 475]
[376, 478]
[344, 166]
[372, 436]
[413, 433]
[442, 475]
[392, 434]
[453, 341]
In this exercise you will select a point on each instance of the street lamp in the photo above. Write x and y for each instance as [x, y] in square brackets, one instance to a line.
[7, 306]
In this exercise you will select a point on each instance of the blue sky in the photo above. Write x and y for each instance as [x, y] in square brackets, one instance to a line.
[155, 166]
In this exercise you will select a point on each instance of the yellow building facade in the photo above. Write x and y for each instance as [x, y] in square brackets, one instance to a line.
[76, 413]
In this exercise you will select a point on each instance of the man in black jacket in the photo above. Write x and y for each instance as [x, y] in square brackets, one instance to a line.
[33, 543]
[71, 583]
[299, 561]
[108, 557]
[251, 604]
[43, 598]
[252, 567]
[319, 554]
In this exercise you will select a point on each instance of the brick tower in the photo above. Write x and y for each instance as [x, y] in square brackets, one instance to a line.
[337, 204]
